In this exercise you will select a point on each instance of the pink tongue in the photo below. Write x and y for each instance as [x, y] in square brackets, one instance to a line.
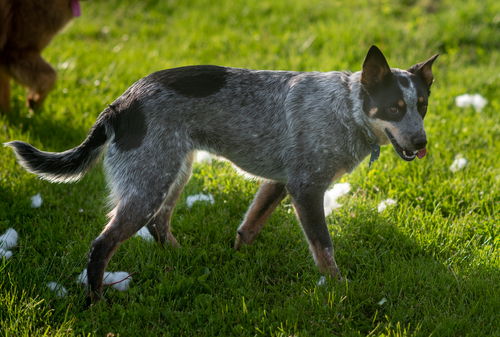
[75, 8]
[421, 153]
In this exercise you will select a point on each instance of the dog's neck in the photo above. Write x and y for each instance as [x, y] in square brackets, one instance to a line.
[361, 119]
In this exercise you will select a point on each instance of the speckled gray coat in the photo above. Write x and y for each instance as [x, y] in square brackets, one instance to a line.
[296, 130]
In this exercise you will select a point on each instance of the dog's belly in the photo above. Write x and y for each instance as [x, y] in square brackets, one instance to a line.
[259, 169]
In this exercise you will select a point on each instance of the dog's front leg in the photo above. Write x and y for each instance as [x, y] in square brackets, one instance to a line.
[308, 202]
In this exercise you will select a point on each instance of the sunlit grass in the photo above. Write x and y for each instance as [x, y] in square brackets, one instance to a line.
[432, 260]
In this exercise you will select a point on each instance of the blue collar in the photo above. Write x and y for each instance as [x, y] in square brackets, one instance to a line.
[375, 153]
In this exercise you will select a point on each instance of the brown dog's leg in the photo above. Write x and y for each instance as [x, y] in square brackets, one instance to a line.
[4, 91]
[266, 200]
[159, 227]
[308, 204]
[33, 72]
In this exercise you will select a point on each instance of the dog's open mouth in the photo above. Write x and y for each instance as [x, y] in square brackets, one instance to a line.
[405, 154]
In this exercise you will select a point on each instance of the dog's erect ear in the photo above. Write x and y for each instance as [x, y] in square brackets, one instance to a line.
[375, 68]
[424, 70]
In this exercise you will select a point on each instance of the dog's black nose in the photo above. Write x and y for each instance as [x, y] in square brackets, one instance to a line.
[419, 141]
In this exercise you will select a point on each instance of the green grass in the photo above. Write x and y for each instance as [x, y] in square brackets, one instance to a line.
[434, 256]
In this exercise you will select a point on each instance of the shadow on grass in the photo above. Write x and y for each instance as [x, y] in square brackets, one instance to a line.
[44, 127]
[395, 280]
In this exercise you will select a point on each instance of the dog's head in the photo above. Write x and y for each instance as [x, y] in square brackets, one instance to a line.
[395, 102]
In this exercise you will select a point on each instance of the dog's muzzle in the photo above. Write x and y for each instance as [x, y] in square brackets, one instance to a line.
[406, 154]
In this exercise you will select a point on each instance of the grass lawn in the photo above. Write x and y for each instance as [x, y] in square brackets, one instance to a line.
[429, 265]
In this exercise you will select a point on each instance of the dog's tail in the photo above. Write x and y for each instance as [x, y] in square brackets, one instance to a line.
[65, 166]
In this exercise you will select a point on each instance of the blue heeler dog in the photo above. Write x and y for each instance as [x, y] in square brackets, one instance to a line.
[298, 131]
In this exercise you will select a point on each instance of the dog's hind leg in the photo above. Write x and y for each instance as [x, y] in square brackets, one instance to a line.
[159, 227]
[265, 201]
[35, 73]
[308, 203]
[140, 181]
[130, 216]
[122, 226]
[4, 91]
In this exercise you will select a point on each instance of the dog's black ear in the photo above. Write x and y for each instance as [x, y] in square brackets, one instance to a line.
[424, 70]
[375, 68]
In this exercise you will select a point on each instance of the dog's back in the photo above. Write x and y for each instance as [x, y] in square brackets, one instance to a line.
[255, 118]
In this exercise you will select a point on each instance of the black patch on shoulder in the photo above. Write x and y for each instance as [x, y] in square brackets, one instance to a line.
[129, 125]
[384, 97]
[193, 81]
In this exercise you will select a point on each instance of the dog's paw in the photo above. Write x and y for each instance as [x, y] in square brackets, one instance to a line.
[238, 241]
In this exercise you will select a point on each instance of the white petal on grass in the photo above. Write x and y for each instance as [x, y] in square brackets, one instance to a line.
[382, 301]
[477, 101]
[190, 200]
[8, 239]
[145, 234]
[322, 281]
[57, 288]
[203, 157]
[36, 201]
[385, 203]
[5, 253]
[117, 48]
[458, 164]
[119, 280]
[330, 200]
[82, 277]
[69, 64]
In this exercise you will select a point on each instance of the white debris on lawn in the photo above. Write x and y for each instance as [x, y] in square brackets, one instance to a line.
[382, 301]
[57, 288]
[36, 201]
[383, 204]
[458, 164]
[203, 157]
[5, 253]
[145, 234]
[82, 277]
[477, 101]
[7, 241]
[322, 281]
[119, 280]
[330, 201]
[190, 200]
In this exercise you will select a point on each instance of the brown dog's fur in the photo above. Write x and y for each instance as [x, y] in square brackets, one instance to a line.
[26, 28]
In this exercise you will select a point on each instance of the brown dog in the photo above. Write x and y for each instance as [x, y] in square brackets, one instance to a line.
[26, 28]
